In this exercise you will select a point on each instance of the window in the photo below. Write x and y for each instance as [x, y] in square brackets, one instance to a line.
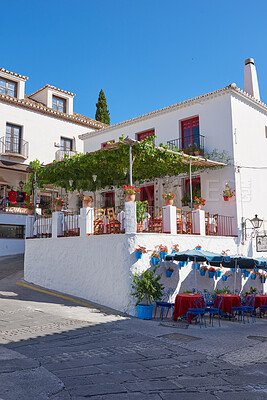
[66, 144]
[13, 138]
[190, 133]
[59, 104]
[109, 199]
[143, 135]
[103, 145]
[11, 231]
[196, 189]
[8, 87]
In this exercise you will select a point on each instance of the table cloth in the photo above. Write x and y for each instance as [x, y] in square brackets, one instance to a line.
[229, 301]
[184, 301]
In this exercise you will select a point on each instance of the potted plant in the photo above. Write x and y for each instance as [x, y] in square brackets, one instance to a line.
[47, 212]
[247, 273]
[30, 208]
[252, 290]
[163, 251]
[130, 192]
[228, 192]
[253, 275]
[197, 266]
[186, 199]
[139, 251]
[155, 257]
[198, 247]
[58, 203]
[168, 197]
[169, 272]
[175, 248]
[262, 276]
[198, 202]
[211, 272]
[203, 270]
[87, 200]
[218, 272]
[226, 276]
[141, 210]
[146, 287]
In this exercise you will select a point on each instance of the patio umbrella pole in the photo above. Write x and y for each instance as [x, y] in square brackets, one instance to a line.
[195, 274]
[235, 275]
[190, 184]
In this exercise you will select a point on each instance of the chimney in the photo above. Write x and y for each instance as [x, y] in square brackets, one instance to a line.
[250, 79]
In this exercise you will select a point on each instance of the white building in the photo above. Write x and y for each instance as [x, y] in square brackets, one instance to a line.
[230, 120]
[40, 126]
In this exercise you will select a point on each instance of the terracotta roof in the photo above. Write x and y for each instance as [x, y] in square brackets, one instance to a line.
[53, 88]
[25, 78]
[36, 106]
[227, 89]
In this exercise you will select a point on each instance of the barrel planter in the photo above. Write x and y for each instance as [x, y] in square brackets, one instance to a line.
[155, 260]
[162, 254]
[144, 311]
[168, 273]
[224, 278]
[218, 274]
[138, 254]
[211, 274]
[202, 272]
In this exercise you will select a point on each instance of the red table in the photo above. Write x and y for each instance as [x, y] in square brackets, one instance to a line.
[184, 301]
[260, 300]
[228, 301]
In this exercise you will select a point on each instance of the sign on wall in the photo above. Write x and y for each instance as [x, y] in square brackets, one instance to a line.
[261, 243]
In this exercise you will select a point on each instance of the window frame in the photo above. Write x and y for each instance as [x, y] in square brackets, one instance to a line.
[12, 139]
[192, 124]
[146, 134]
[20, 231]
[7, 81]
[57, 98]
[65, 139]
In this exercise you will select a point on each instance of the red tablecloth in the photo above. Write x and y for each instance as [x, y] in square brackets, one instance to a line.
[260, 300]
[229, 301]
[184, 301]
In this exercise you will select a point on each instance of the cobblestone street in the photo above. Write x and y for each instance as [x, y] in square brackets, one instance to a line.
[52, 348]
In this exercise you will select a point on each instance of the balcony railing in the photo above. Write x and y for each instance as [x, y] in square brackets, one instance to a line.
[60, 154]
[14, 148]
[193, 145]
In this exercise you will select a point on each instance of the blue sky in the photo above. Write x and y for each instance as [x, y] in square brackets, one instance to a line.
[144, 54]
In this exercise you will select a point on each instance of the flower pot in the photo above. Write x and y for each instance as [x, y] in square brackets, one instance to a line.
[162, 254]
[130, 197]
[211, 274]
[243, 270]
[30, 212]
[140, 226]
[155, 260]
[253, 277]
[226, 198]
[197, 266]
[58, 207]
[218, 274]
[182, 264]
[247, 274]
[202, 272]
[263, 280]
[197, 206]
[255, 269]
[168, 202]
[169, 273]
[87, 203]
[224, 278]
[144, 311]
[138, 254]
[233, 269]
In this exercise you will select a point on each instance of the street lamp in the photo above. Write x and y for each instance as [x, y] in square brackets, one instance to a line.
[256, 224]
[94, 179]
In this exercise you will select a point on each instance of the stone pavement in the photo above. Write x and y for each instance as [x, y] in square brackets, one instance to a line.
[51, 348]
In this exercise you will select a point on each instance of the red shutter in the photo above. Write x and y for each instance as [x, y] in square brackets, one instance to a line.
[145, 134]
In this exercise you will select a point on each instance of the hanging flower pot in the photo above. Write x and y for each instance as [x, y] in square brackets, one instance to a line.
[226, 198]
[138, 254]
[163, 254]
[243, 270]
[139, 251]
[155, 260]
[169, 273]
[211, 274]
[182, 264]
[197, 266]
[218, 274]
[233, 269]
[144, 311]
[247, 273]
[202, 272]
[253, 277]
[224, 278]
[263, 280]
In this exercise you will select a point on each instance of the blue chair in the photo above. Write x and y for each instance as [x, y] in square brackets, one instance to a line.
[215, 310]
[209, 298]
[263, 308]
[247, 308]
[165, 304]
[198, 310]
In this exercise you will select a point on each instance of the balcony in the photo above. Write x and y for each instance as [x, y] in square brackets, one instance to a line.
[192, 145]
[62, 154]
[14, 147]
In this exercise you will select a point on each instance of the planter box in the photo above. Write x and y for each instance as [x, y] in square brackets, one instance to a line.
[144, 311]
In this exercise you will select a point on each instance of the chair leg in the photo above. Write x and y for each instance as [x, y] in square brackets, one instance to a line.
[219, 318]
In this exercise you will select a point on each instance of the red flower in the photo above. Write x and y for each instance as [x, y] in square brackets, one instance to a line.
[125, 187]
[130, 187]
[138, 190]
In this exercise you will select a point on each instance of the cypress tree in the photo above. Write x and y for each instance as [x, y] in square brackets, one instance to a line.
[102, 113]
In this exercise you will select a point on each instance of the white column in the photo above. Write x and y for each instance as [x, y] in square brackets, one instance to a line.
[57, 224]
[130, 217]
[169, 219]
[251, 85]
[29, 226]
[86, 221]
[198, 222]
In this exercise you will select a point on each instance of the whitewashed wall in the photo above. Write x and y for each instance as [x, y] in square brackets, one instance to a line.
[12, 246]
[99, 268]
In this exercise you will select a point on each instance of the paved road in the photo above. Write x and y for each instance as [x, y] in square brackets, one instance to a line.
[51, 348]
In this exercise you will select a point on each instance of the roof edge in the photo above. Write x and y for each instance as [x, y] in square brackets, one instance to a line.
[53, 88]
[23, 77]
